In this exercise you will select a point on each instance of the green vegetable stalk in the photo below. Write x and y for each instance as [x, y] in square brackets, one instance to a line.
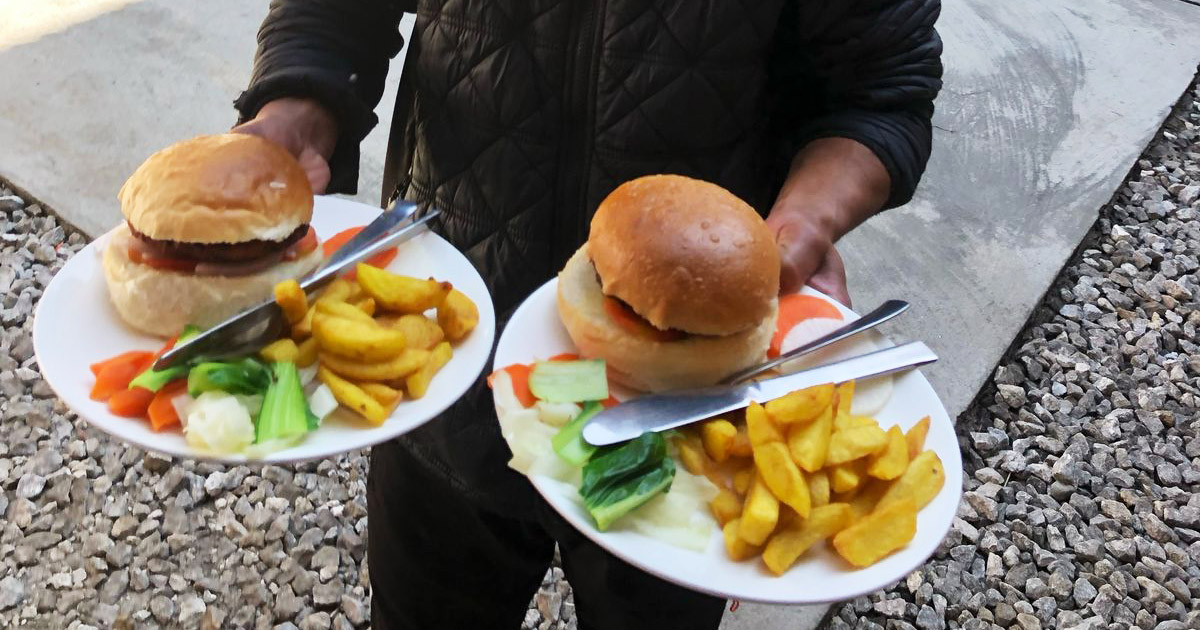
[618, 479]
[285, 415]
[153, 379]
[244, 376]
[569, 442]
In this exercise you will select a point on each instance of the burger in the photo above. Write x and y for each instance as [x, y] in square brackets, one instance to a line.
[211, 225]
[676, 287]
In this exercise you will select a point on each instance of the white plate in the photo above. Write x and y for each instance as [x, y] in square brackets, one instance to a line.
[535, 332]
[76, 325]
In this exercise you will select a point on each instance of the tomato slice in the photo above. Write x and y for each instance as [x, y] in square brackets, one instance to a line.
[335, 242]
[159, 262]
[626, 318]
[304, 246]
[795, 308]
[566, 356]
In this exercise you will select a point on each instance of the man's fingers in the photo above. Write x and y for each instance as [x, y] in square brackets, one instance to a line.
[830, 277]
[799, 259]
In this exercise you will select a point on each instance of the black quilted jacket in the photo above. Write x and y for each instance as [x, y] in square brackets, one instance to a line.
[516, 117]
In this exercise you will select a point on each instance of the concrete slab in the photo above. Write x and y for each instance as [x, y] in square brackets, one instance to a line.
[1046, 107]
[92, 87]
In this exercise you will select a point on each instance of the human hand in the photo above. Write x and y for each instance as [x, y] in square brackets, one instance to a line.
[302, 126]
[807, 255]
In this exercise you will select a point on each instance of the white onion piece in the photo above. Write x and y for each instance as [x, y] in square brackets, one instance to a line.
[182, 403]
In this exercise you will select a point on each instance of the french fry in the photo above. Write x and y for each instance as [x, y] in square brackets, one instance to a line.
[718, 436]
[353, 397]
[457, 315]
[726, 506]
[875, 537]
[345, 310]
[306, 352]
[741, 446]
[742, 479]
[916, 437]
[340, 290]
[809, 443]
[846, 477]
[303, 329]
[760, 513]
[291, 300]
[851, 421]
[280, 351]
[692, 456]
[863, 501]
[788, 544]
[365, 304]
[850, 444]
[419, 331]
[382, 394]
[818, 488]
[417, 383]
[893, 459]
[736, 546]
[844, 396]
[401, 366]
[919, 484]
[782, 477]
[801, 405]
[759, 426]
[401, 294]
[357, 340]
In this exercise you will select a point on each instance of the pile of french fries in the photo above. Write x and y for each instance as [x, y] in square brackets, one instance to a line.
[802, 469]
[371, 337]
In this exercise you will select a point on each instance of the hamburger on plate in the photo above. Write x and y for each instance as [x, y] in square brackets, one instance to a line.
[211, 225]
[677, 285]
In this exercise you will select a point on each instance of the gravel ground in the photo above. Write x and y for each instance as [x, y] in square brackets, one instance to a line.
[1082, 455]
[1082, 462]
[96, 534]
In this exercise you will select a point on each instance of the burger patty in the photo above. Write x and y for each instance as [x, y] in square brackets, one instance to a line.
[218, 252]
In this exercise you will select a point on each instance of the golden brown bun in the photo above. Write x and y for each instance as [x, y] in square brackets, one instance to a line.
[686, 254]
[161, 303]
[225, 188]
[644, 364]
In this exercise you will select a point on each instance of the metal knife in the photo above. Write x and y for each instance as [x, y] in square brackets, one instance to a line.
[252, 329]
[659, 412]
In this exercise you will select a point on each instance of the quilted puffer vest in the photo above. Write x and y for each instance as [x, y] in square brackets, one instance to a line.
[517, 117]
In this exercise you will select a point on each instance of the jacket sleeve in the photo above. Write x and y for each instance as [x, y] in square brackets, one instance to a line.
[334, 51]
[867, 70]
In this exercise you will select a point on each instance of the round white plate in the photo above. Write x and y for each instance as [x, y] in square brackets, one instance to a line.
[76, 325]
[535, 332]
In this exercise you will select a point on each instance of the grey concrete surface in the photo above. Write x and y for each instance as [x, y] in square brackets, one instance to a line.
[1047, 104]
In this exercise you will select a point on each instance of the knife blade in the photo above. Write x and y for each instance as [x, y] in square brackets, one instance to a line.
[659, 412]
[243, 333]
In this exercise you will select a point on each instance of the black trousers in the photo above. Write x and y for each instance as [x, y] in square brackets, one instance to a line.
[439, 561]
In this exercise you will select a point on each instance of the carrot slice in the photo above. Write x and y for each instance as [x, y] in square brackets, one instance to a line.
[116, 377]
[133, 356]
[611, 401]
[566, 356]
[795, 308]
[161, 410]
[332, 244]
[519, 373]
[131, 403]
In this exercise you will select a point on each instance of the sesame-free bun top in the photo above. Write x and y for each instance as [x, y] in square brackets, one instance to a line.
[225, 188]
[686, 255]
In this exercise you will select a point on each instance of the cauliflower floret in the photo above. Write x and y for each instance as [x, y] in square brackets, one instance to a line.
[218, 422]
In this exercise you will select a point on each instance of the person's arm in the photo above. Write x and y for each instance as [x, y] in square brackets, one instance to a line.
[318, 74]
[877, 69]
